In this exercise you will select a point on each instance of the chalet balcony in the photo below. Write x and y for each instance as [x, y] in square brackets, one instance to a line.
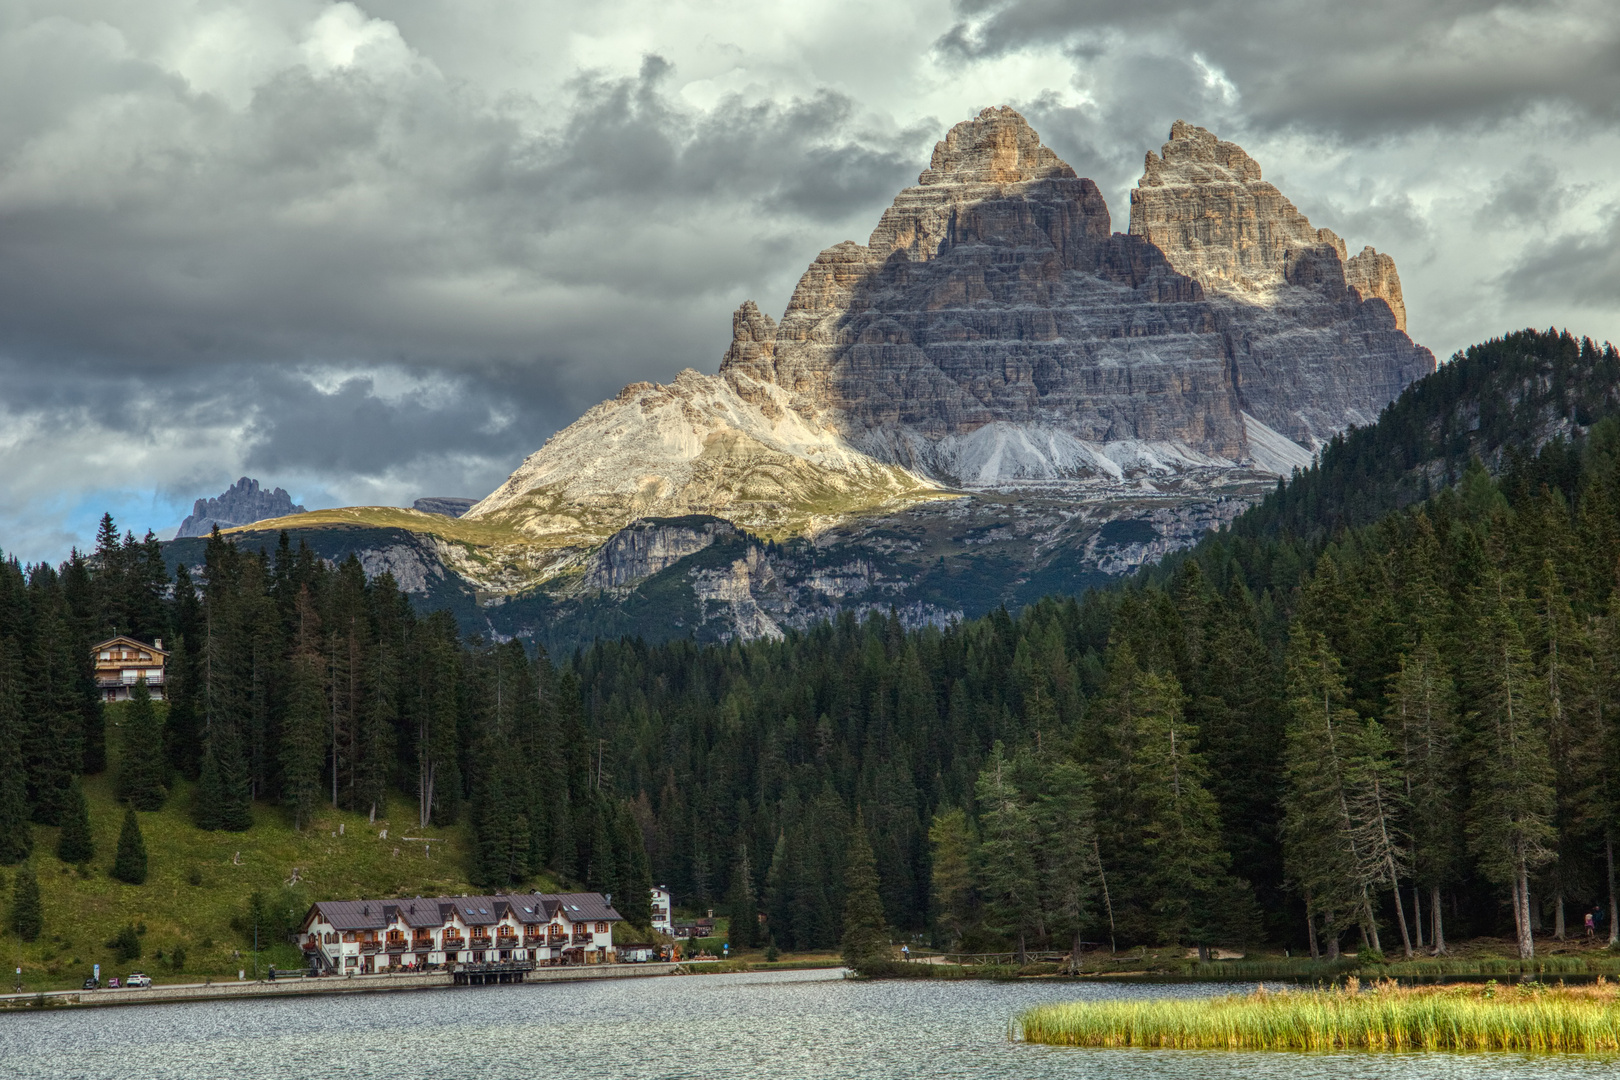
[369, 948]
[454, 944]
[396, 947]
[506, 941]
[481, 943]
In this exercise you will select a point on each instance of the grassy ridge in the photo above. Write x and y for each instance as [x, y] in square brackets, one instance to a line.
[198, 884]
[1531, 1018]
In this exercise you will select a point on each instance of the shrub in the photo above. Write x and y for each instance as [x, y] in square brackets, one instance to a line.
[126, 944]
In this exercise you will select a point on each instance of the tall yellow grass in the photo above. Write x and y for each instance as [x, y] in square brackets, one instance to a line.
[1528, 1018]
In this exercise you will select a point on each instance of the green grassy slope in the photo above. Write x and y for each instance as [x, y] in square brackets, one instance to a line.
[85, 908]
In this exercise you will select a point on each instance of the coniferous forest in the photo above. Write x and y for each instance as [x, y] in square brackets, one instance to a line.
[1382, 711]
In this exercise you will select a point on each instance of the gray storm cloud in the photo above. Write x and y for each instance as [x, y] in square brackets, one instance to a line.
[370, 252]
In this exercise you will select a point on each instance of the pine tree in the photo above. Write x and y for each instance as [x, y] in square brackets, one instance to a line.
[1066, 833]
[129, 865]
[303, 746]
[1195, 899]
[54, 744]
[220, 800]
[632, 896]
[866, 934]
[953, 848]
[744, 927]
[27, 913]
[1008, 872]
[16, 831]
[182, 736]
[140, 773]
[1423, 712]
[74, 844]
[1319, 836]
[1513, 800]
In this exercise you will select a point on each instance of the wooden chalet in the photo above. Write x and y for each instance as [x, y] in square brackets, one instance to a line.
[121, 662]
[425, 933]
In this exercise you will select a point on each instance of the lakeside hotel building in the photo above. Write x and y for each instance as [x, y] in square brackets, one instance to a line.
[417, 933]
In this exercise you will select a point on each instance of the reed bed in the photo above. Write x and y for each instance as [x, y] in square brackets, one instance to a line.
[1530, 1018]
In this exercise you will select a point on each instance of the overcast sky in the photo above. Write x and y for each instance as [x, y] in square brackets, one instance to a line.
[375, 251]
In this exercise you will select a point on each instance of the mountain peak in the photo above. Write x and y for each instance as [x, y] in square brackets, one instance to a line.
[243, 503]
[1194, 155]
[996, 147]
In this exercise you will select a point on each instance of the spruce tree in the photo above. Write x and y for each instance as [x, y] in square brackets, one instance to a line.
[866, 934]
[140, 773]
[27, 913]
[129, 865]
[74, 844]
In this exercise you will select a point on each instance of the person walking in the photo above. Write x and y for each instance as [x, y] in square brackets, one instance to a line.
[1591, 923]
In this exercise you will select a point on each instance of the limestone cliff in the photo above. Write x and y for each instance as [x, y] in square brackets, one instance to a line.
[994, 330]
[995, 388]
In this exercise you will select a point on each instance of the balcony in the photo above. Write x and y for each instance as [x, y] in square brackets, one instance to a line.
[369, 948]
[506, 941]
[396, 947]
[454, 944]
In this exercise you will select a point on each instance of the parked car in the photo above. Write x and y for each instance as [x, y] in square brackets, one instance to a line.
[91, 984]
[138, 979]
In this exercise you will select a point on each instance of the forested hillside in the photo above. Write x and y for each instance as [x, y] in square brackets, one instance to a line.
[1444, 676]
[295, 684]
[1378, 711]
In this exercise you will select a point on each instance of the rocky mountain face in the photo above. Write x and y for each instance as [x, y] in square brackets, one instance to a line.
[994, 329]
[996, 394]
[243, 503]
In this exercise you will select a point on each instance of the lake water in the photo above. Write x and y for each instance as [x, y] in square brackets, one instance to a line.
[764, 1026]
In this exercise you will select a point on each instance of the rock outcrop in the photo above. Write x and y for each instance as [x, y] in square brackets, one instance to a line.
[444, 505]
[243, 503]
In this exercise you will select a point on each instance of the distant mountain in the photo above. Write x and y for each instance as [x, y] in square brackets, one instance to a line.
[243, 503]
[448, 506]
[994, 398]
